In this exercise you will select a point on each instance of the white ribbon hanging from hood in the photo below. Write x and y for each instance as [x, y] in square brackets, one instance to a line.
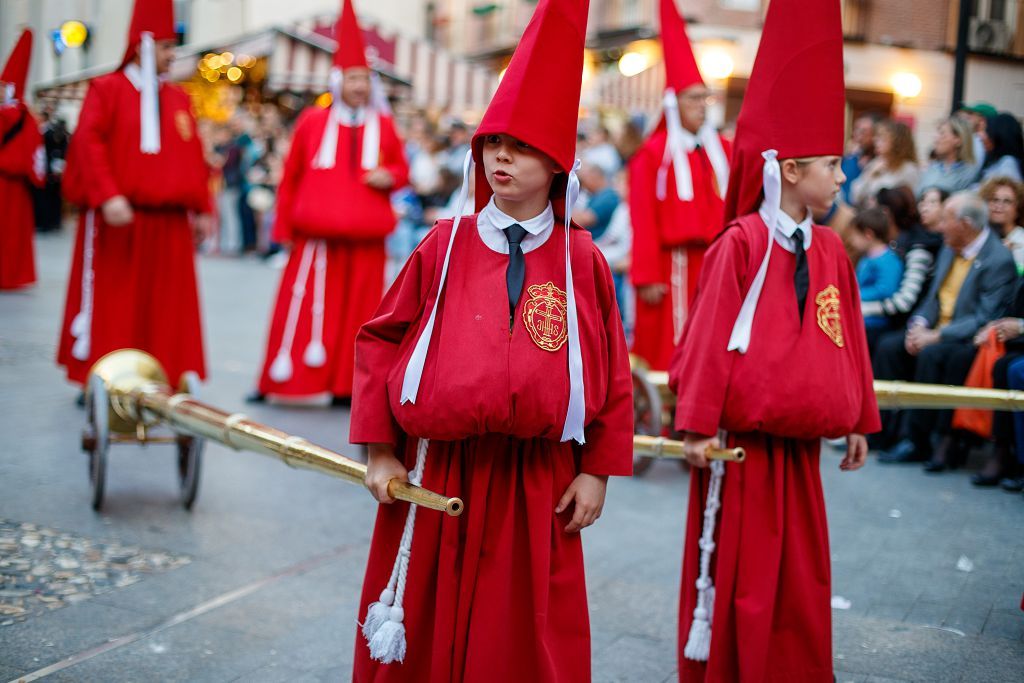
[9, 92]
[148, 86]
[576, 412]
[326, 156]
[739, 340]
[679, 144]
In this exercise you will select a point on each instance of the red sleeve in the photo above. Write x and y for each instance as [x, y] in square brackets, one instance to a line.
[378, 341]
[609, 446]
[701, 366]
[22, 156]
[392, 154]
[643, 172]
[294, 168]
[89, 169]
[853, 329]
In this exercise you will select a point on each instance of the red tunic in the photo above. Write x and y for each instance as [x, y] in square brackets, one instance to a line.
[669, 240]
[497, 594]
[20, 168]
[143, 291]
[333, 213]
[796, 383]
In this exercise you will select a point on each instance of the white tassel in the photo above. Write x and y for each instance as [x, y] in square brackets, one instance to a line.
[281, 369]
[698, 643]
[383, 627]
[315, 355]
[81, 325]
[81, 348]
[377, 613]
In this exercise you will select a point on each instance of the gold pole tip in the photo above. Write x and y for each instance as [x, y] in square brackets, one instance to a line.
[455, 507]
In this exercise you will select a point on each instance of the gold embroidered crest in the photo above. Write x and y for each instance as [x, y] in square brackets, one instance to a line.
[545, 316]
[183, 122]
[828, 314]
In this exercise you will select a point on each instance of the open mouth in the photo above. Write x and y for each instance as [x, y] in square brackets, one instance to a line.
[502, 175]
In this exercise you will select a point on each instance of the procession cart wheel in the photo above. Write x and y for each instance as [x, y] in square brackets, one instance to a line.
[190, 451]
[96, 439]
[646, 415]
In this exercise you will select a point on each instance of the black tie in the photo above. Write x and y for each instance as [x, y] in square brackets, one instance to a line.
[515, 274]
[801, 281]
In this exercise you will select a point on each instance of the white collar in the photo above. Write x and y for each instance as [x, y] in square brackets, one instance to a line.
[492, 221]
[971, 250]
[347, 116]
[133, 73]
[785, 227]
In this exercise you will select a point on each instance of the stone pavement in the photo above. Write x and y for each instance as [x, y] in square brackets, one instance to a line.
[267, 568]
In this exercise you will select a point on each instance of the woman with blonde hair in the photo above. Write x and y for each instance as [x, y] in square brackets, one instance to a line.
[895, 163]
[1005, 199]
[953, 167]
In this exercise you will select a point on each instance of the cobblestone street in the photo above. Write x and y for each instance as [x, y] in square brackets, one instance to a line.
[259, 582]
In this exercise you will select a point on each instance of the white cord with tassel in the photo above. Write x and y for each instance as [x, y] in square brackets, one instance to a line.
[281, 369]
[383, 627]
[316, 355]
[81, 325]
[698, 644]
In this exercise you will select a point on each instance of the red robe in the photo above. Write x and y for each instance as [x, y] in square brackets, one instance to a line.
[21, 155]
[669, 240]
[143, 286]
[338, 223]
[796, 384]
[497, 594]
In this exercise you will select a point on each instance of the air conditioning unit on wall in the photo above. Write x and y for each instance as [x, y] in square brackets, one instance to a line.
[988, 35]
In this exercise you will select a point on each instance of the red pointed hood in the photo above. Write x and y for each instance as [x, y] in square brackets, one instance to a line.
[351, 51]
[16, 69]
[155, 16]
[538, 99]
[795, 100]
[680, 65]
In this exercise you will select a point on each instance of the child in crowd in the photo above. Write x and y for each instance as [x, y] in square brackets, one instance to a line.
[879, 270]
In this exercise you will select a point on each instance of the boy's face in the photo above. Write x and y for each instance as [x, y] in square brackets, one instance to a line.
[516, 171]
[817, 180]
[693, 107]
[164, 55]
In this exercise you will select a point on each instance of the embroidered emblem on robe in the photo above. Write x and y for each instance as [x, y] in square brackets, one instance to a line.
[545, 316]
[183, 122]
[828, 314]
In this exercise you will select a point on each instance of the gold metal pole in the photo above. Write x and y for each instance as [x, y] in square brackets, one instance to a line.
[140, 397]
[660, 447]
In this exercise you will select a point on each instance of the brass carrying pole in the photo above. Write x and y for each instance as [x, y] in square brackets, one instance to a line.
[660, 447]
[139, 400]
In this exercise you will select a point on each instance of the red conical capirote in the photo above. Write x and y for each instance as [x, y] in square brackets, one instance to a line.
[351, 50]
[795, 101]
[16, 69]
[153, 16]
[538, 99]
[680, 65]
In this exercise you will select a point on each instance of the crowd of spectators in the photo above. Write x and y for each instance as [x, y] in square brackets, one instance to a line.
[939, 255]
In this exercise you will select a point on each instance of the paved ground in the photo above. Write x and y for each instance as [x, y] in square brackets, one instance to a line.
[273, 558]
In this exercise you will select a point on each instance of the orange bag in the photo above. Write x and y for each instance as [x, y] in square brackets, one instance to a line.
[980, 377]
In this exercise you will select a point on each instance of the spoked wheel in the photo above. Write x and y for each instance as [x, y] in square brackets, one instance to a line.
[190, 451]
[646, 415]
[96, 437]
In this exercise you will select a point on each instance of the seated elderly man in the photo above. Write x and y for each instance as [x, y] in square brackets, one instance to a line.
[973, 285]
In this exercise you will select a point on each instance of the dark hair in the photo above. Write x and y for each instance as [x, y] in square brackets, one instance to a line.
[874, 221]
[1004, 132]
[943, 194]
[899, 203]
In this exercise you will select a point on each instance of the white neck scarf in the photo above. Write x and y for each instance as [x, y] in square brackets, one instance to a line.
[677, 148]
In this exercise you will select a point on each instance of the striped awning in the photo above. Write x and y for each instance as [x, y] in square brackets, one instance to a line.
[299, 61]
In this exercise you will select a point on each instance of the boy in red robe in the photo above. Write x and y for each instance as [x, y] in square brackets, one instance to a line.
[137, 173]
[334, 209]
[21, 160]
[498, 346]
[677, 180]
[774, 354]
